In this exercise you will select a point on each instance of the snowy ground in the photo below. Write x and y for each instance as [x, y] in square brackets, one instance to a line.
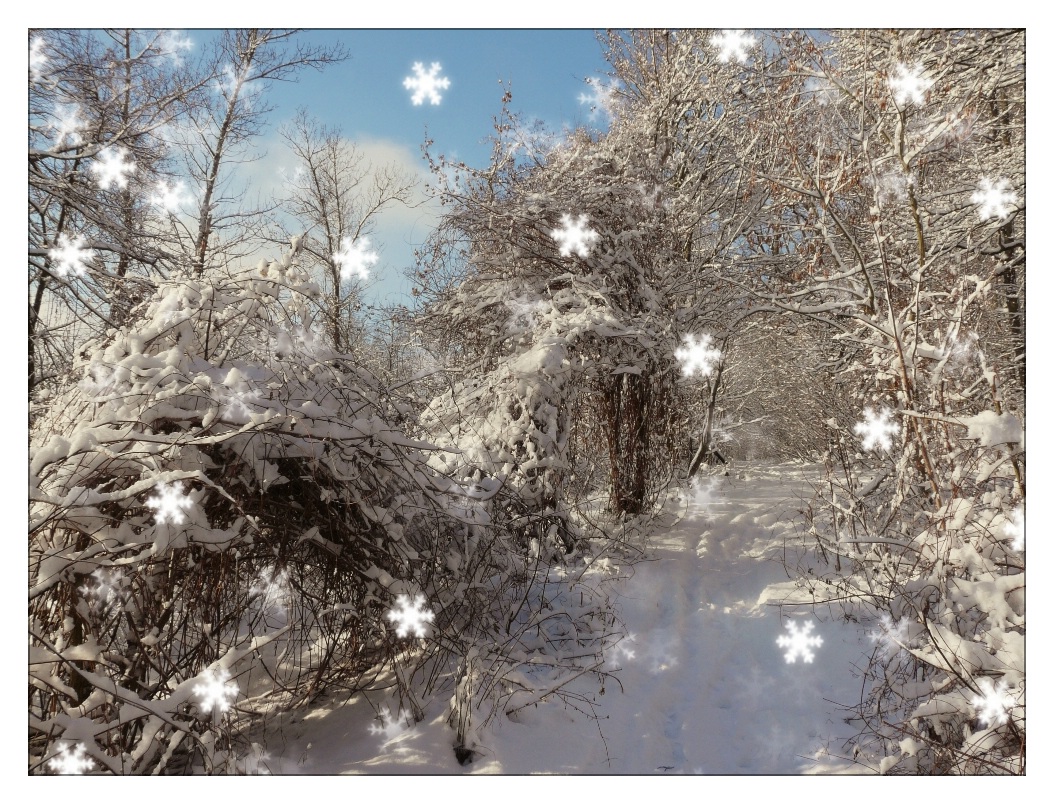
[705, 687]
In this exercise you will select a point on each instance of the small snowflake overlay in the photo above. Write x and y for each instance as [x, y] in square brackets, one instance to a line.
[893, 636]
[111, 168]
[993, 702]
[733, 45]
[410, 616]
[909, 86]
[70, 256]
[354, 259]
[573, 236]
[1014, 528]
[426, 85]
[215, 690]
[601, 99]
[799, 643]
[170, 502]
[698, 355]
[994, 199]
[877, 428]
[71, 761]
[67, 125]
[391, 726]
[170, 197]
[37, 59]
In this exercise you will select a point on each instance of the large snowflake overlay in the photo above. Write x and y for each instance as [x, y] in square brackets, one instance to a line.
[892, 186]
[573, 236]
[237, 405]
[354, 258]
[391, 726]
[107, 586]
[909, 85]
[215, 690]
[272, 586]
[524, 311]
[994, 199]
[993, 702]
[698, 354]
[37, 59]
[237, 84]
[100, 383]
[170, 43]
[877, 428]
[71, 255]
[799, 643]
[71, 760]
[601, 99]
[1014, 528]
[170, 502]
[701, 496]
[410, 616]
[67, 125]
[170, 197]
[733, 44]
[426, 84]
[111, 168]
[893, 636]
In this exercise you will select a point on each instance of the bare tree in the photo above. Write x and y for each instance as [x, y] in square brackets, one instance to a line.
[336, 195]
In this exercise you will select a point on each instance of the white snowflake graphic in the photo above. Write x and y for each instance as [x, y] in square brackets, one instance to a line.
[1014, 528]
[959, 351]
[524, 311]
[892, 187]
[71, 255]
[354, 258]
[733, 44]
[37, 59]
[426, 84]
[67, 125]
[272, 586]
[909, 85]
[170, 502]
[698, 354]
[101, 382]
[107, 585]
[994, 198]
[601, 99]
[111, 168]
[71, 760]
[391, 726]
[894, 636]
[410, 616]
[215, 690]
[701, 496]
[237, 405]
[170, 197]
[573, 236]
[237, 85]
[799, 643]
[877, 428]
[170, 43]
[993, 702]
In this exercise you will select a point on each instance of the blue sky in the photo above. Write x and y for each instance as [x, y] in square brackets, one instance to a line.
[366, 99]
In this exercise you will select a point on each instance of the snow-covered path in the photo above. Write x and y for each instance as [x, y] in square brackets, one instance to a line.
[705, 688]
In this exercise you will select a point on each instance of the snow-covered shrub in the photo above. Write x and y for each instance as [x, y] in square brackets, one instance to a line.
[223, 512]
[926, 460]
